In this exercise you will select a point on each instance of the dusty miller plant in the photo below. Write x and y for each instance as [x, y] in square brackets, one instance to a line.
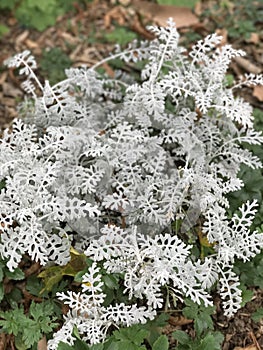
[115, 162]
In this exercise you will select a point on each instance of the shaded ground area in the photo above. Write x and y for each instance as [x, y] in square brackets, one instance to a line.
[88, 34]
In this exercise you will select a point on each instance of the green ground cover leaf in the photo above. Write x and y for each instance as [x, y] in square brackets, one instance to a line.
[200, 314]
[120, 35]
[182, 3]
[29, 329]
[257, 316]
[161, 343]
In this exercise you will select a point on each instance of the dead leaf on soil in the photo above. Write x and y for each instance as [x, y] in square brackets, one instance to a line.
[247, 65]
[2, 341]
[222, 32]
[31, 44]
[179, 321]
[124, 2]
[3, 77]
[42, 344]
[198, 8]
[254, 38]
[258, 92]
[10, 91]
[118, 14]
[182, 16]
[22, 37]
[72, 40]
[249, 347]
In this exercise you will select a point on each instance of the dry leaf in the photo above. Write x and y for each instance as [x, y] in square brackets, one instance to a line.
[2, 341]
[42, 344]
[182, 16]
[179, 321]
[117, 14]
[139, 28]
[75, 53]
[22, 37]
[3, 77]
[254, 38]
[124, 2]
[12, 21]
[258, 92]
[10, 90]
[247, 65]
[31, 44]
[222, 32]
[69, 38]
[249, 347]
[198, 8]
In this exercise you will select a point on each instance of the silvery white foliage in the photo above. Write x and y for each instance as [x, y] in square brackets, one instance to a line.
[36, 200]
[141, 154]
[233, 240]
[250, 79]
[148, 263]
[64, 334]
[90, 317]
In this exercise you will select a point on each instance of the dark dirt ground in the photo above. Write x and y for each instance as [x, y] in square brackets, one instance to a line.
[80, 36]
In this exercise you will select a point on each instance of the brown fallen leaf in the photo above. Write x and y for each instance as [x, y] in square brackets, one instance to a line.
[254, 38]
[198, 8]
[11, 91]
[2, 341]
[124, 2]
[31, 44]
[73, 40]
[32, 269]
[179, 321]
[182, 16]
[222, 32]
[12, 21]
[3, 77]
[42, 344]
[139, 28]
[247, 65]
[9, 102]
[118, 14]
[22, 37]
[249, 347]
[75, 53]
[258, 92]
[256, 344]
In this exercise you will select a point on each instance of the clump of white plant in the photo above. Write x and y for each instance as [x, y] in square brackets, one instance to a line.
[117, 162]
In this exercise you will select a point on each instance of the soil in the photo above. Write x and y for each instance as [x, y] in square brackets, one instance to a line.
[80, 35]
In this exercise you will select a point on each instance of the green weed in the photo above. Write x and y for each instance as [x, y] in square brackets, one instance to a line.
[29, 329]
[54, 62]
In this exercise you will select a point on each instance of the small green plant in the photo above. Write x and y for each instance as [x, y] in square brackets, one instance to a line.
[189, 3]
[120, 35]
[54, 62]
[3, 30]
[8, 4]
[201, 316]
[207, 342]
[206, 338]
[257, 316]
[241, 18]
[37, 14]
[251, 272]
[29, 329]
